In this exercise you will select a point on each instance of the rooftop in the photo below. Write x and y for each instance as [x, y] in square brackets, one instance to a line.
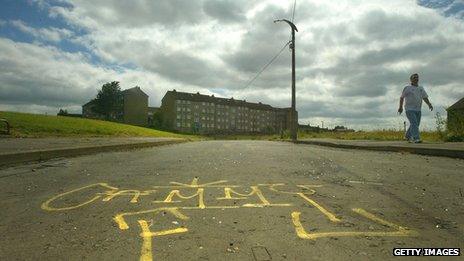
[197, 97]
[135, 89]
[458, 105]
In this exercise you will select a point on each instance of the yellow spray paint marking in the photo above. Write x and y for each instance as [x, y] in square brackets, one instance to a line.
[309, 186]
[173, 193]
[324, 211]
[254, 191]
[303, 191]
[46, 204]
[132, 192]
[305, 187]
[122, 224]
[400, 231]
[147, 235]
[304, 196]
[194, 183]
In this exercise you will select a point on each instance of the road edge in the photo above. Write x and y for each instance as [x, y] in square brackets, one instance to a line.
[450, 153]
[39, 155]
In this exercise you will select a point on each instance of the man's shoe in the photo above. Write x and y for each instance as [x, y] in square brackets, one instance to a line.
[417, 141]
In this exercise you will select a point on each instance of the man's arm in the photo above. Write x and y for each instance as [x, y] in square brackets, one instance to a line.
[428, 103]
[400, 109]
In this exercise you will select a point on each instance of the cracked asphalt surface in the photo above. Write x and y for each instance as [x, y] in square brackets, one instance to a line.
[235, 200]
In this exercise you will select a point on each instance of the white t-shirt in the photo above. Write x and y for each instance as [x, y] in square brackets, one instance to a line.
[413, 96]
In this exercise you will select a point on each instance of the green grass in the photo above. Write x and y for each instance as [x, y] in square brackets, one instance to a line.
[380, 135]
[35, 125]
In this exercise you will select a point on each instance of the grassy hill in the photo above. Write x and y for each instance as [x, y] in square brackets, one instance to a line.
[36, 125]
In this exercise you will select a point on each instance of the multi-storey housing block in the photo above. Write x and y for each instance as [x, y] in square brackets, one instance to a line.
[197, 113]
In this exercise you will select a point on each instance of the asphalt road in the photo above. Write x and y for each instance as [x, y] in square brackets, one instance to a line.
[231, 200]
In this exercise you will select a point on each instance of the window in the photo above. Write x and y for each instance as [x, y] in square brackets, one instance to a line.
[178, 108]
[178, 101]
[178, 116]
[178, 124]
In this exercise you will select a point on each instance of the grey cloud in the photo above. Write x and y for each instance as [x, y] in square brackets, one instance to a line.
[226, 10]
[369, 74]
[30, 75]
[261, 42]
[183, 67]
[343, 108]
[51, 34]
[378, 25]
[418, 50]
[15, 90]
[351, 80]
[135, 13]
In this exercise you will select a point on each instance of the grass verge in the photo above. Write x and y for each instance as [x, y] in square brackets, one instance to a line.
[379, 135]
[36, 125]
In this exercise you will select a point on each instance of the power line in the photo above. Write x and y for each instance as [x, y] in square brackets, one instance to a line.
[293, 16]
[293, 13]
[277, 55]
[269, 63]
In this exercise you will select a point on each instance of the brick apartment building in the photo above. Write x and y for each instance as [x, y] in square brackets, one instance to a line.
[198, 113]
[135, 110]
[455, 119]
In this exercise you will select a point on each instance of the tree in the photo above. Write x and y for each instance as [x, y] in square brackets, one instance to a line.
[157, 119]
[109, 101]
[62, 112]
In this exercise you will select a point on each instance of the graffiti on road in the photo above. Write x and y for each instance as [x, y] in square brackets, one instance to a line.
[176, 200]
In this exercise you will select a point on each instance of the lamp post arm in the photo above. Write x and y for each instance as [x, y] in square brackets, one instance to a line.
[292, 25]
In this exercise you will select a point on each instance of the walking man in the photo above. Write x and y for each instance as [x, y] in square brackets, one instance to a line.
[413, 94]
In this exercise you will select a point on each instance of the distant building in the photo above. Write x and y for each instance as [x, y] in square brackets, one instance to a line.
[88, 110]
[455, 117]
[198, 113]
[134, 109]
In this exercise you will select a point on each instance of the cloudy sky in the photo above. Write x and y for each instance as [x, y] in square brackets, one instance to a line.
[353, 57]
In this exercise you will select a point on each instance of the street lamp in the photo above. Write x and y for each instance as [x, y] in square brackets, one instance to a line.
[293, 123]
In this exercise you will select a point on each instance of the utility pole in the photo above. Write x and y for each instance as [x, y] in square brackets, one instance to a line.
[294, 120]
